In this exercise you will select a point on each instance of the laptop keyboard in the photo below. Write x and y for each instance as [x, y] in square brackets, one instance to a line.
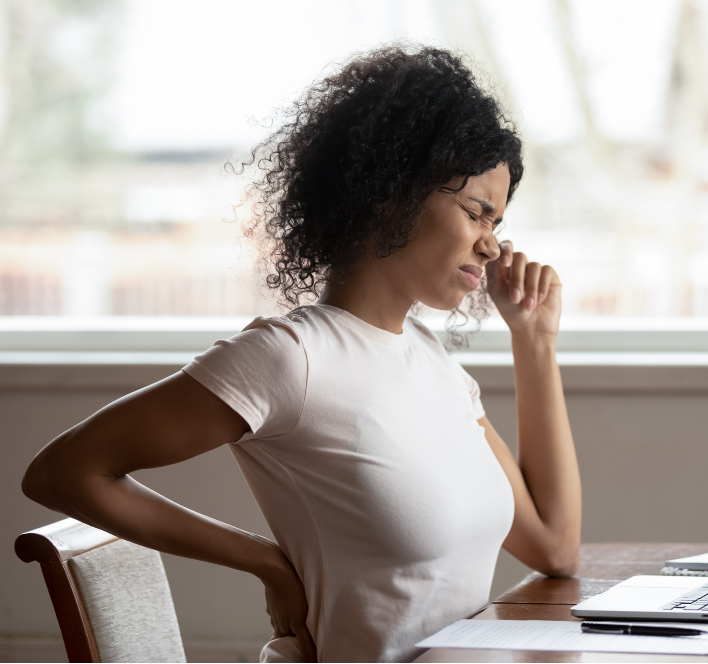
[696, 600]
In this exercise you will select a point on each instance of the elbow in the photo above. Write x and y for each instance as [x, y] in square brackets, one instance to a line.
[563, 568]
[58, 478]
[41, 479]
[35, 483]
[29, 487]
[563, 561]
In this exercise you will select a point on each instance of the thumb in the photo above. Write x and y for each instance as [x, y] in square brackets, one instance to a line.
[308, 650]
[496, 275]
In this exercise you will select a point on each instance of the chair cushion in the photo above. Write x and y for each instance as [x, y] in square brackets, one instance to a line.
[128, 601]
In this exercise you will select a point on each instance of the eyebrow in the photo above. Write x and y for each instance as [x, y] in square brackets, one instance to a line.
[486, 206]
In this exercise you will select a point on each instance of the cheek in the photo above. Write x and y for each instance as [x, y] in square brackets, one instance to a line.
[444, 241]
[454, 243]
[437, 257]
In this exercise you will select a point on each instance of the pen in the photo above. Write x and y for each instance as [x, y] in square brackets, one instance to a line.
[638, 629]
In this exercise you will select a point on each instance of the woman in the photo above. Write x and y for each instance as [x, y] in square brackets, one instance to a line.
[387, 489]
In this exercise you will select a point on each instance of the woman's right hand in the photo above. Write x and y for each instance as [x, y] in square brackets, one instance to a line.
[287, 604]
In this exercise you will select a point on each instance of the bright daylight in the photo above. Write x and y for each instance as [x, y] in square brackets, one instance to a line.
[353, 331]
[118, 117]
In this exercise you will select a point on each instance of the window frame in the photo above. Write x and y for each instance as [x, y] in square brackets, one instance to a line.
[121, 354]
[683, 341]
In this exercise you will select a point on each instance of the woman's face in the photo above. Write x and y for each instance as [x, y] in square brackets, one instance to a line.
[453, 241]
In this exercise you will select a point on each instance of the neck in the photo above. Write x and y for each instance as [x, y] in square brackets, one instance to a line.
[369, 296]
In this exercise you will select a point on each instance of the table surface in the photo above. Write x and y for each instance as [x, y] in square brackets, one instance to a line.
[539, 598]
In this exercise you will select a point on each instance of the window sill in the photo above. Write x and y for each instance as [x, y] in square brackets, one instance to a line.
[583, 372]
[122, 354]
[185, 334]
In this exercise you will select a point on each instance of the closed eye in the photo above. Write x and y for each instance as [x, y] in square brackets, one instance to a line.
[495, 226]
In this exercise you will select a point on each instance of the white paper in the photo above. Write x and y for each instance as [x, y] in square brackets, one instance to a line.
[559, 635]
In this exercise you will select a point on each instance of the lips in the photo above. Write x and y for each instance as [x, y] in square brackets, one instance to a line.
[472, 274]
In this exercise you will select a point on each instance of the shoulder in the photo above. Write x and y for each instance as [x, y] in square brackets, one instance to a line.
[295, 323]
[426, 336]
[266, 346]
[271, 330]
[308, 325]
[261, 372]
[420, 331]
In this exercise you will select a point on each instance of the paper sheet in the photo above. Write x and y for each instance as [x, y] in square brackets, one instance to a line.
[558, 635]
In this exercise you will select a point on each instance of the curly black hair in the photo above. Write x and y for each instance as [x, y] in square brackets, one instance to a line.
[360, 151]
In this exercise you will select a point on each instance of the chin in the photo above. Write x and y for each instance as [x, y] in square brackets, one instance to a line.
[444, 303]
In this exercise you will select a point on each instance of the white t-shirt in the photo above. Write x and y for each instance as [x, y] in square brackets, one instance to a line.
[368, 463]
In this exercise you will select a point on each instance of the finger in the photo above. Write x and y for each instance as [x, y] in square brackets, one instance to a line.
[531, 279]
[306, 645]
[507, 251]
[280, 630]
[516, 277]
[273, 622]
[280, 626]
[544, 283]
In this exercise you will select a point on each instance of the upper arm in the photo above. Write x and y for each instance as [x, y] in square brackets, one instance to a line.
[528, 538]
[511, 469]
[255, 381]
[164, 423]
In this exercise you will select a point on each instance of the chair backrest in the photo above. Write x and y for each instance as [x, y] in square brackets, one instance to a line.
[111, 597]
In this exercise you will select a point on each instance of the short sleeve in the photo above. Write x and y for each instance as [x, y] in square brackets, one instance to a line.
[475, 394]
[261, 373]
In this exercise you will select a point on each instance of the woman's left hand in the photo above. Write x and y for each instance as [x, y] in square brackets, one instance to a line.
[528, 295]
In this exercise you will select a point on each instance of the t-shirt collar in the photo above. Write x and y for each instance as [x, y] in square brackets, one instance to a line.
[368, 330]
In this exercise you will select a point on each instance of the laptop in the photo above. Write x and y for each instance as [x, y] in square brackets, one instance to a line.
[650, 598]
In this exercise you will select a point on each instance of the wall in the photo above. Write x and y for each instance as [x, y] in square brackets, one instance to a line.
[639, 431]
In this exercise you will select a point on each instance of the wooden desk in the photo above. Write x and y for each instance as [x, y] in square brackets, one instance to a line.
[540, 598]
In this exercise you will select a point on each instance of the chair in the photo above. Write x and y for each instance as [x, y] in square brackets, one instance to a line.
[111, 597]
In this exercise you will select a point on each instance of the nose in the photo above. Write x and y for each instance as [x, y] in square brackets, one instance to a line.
[487, 247]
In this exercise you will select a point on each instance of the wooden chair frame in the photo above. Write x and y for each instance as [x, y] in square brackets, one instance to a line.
[52, 547]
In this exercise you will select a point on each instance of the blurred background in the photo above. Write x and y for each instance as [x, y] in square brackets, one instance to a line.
[121, 255]
[117, 116]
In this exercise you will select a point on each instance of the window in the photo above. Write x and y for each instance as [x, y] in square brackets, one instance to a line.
[118, 117]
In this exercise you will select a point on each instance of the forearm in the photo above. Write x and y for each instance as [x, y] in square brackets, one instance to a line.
[546, 454]
[134, 512]
[124, 507]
